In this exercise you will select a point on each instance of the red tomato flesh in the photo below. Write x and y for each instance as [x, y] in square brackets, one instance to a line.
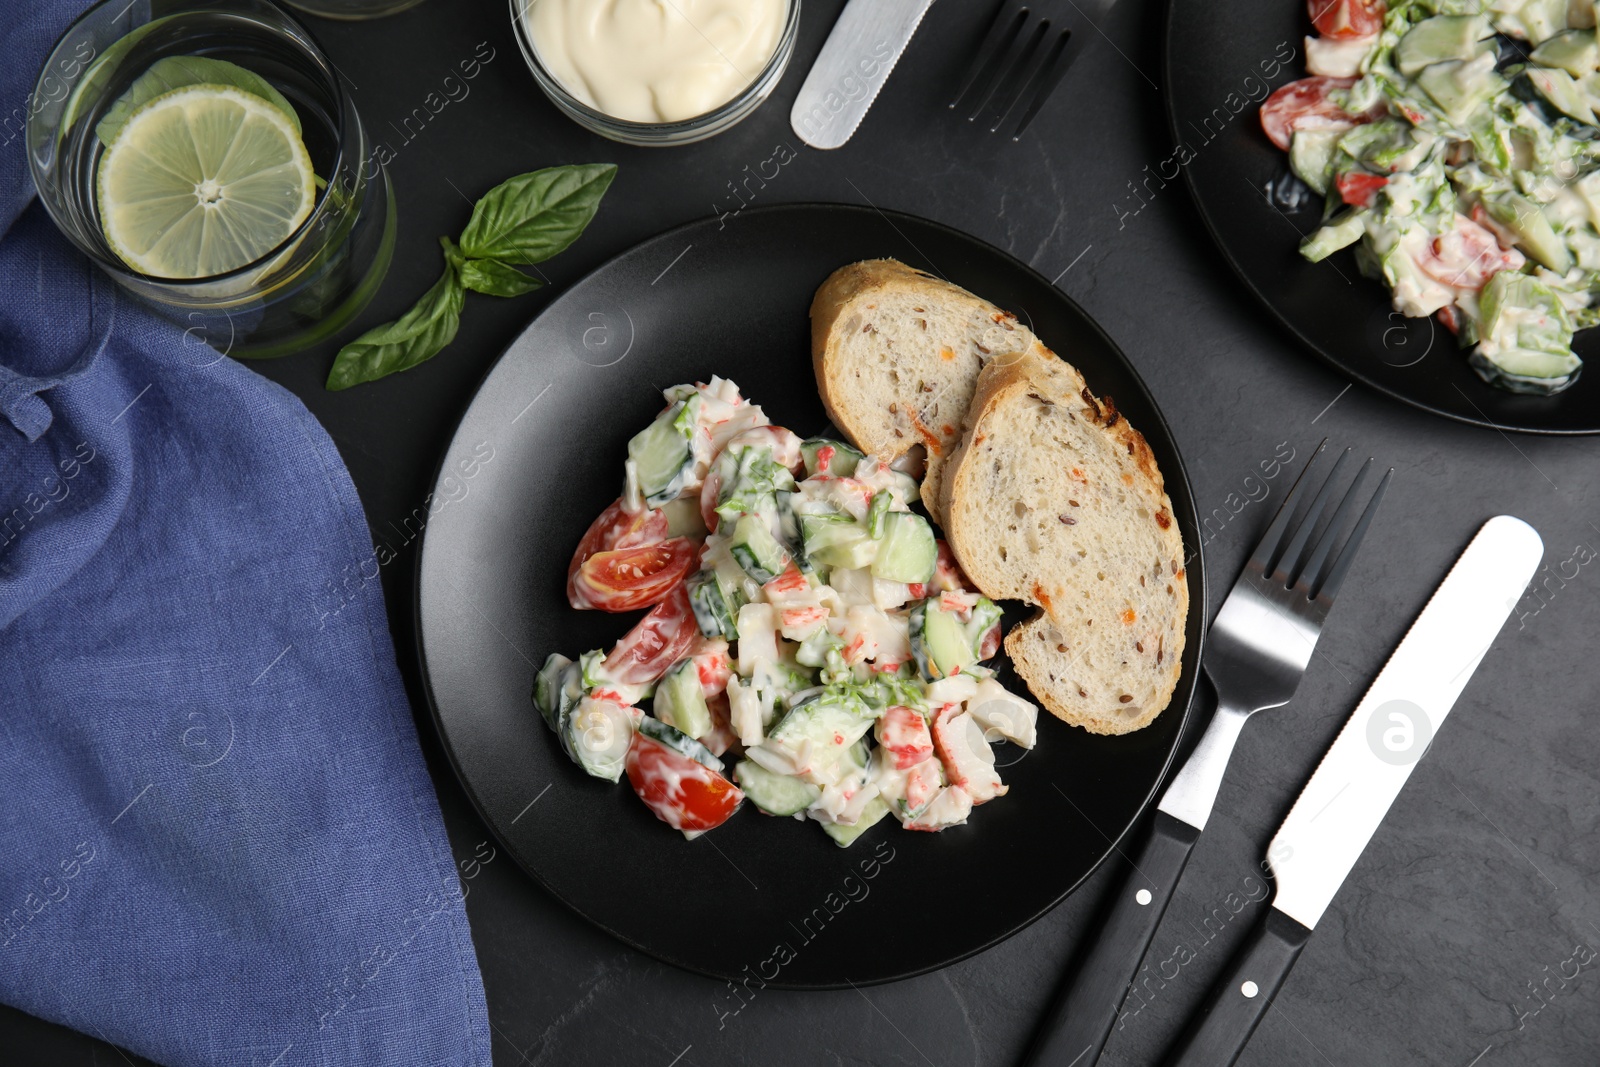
[661, 639]
[628, 579]
[1357, 188]
[1344, 19]
[683, 794]
[1305, 105]
[615, 531]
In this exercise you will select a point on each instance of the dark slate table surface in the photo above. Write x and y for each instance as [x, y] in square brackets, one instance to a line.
[1468, 933]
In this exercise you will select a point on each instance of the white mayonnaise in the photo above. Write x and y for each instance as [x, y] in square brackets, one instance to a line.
[655, 60]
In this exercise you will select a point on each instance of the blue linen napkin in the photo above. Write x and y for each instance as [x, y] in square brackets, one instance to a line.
[218, 840]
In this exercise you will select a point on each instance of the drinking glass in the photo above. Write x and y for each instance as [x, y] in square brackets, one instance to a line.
[303, 290]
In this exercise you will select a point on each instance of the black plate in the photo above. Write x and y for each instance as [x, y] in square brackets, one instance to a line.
[555, 414]
[1219, 57]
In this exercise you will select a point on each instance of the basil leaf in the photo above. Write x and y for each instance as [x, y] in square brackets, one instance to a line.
[529, 218]
[395, 346]
[495, 278]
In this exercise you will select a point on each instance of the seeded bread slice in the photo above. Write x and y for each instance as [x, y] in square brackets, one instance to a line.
[1054, 499]
[897, 354]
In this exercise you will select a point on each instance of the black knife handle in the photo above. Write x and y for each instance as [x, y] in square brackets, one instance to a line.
[1239, 1001]
[1079, 1022]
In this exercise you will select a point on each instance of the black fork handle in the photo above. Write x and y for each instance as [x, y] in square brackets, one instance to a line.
[1085, 1009]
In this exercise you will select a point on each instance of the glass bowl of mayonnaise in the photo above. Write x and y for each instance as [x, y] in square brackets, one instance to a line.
[656, 72]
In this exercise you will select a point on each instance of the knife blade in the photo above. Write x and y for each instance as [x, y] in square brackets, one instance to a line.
[1345, 800]
[855, 61]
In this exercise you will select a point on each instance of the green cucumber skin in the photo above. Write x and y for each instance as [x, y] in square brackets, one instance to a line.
[679, 742]
[680, 702]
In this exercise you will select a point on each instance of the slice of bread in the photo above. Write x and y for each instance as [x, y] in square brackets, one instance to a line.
[1054, 499]
[897, 354]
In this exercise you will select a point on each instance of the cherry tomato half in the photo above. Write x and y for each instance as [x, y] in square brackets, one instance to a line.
[1344, 19]
[660, 639]
[627, 579]
[615, 530]
[683, 794]
[1306, 105]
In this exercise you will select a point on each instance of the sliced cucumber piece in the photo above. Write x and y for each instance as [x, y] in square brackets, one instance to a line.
[1534, 21]
[939, 643]
[714, 611]
[845, 836]
[908, 552]
[1519, 370]
[985, 613]
[775, 794]
[1434, 40]
[684, 518]
[1386, 145]
[877, 511]
[1342, 232]
[551, 690]
[1525, 336]
[1311, 157]
[597, 735]
[680, 702]
[755, 549]
[841, 462]
[1461, 87]
[660, 455]
[679, 742]
[750, 479]
[591, 667]
[1533, 231]
[1574, 51]
[789, 529]
[837, 541]
[1564, 93]
[826, 721]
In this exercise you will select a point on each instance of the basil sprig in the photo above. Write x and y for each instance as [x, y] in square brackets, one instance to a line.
[520, 222]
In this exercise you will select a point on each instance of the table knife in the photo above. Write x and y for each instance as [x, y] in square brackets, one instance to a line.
[1348, 796]
[855, 61]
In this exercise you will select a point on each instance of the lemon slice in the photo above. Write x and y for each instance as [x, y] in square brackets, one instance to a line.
[203, 180]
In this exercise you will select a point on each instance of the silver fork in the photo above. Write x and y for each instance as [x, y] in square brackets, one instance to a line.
[1256, 654]
[1023, 57]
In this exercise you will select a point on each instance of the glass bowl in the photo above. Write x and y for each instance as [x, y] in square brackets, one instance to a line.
[684, 131]
[321, 276]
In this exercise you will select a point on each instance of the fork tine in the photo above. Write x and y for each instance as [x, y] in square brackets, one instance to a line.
[1267, 547]
[1035, 68]
[1030, 45]
[1289, 562]
[986, 64]
[1054, 70]
[1347, 554]
[1311, 571]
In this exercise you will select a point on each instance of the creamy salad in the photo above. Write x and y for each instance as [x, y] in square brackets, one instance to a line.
[810, 644]
[1458, 146]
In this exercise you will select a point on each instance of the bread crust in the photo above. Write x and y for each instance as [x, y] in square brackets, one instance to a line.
[846, 304]
[834, 299]
[1004, 381]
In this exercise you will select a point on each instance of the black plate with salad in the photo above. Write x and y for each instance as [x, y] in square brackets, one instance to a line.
[1406, 185]
[543, 450]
